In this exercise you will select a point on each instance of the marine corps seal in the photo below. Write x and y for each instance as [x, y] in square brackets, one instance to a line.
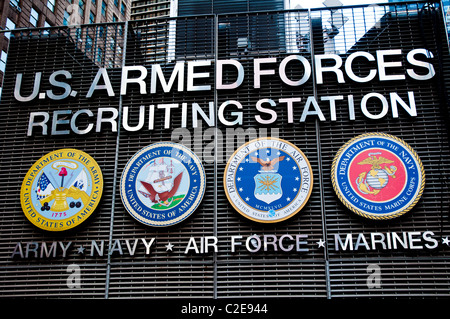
[378, 176]
[268, 180]
[162, 184]
[61, 190]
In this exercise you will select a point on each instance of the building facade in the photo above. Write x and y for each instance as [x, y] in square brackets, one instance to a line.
[145, 9]
[18, 14]
[322, 168]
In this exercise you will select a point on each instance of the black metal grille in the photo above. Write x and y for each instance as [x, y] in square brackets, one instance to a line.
[316, 273]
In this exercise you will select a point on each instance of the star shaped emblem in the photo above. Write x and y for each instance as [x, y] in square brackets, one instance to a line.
[81, 249]
[169, 246]
[446, 241]
[321, 243]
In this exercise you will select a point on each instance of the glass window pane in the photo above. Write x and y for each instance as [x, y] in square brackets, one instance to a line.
[34, 17]
[3, 58]
[9, 26]
[51, 5]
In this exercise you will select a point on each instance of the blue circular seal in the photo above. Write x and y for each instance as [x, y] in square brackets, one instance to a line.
[378, 176]
[268, 180]
[162, 184]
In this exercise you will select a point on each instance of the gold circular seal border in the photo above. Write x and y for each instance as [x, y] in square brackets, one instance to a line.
[188, 212]
[79, 217]
[286, 217]
[376, 216]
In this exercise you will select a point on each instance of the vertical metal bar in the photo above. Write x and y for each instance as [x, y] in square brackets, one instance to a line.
[319, 159]
[95, 44]
[355, 22]
[216, 57]
[116, 159]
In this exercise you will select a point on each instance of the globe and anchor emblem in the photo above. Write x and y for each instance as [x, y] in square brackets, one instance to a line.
[377, 178]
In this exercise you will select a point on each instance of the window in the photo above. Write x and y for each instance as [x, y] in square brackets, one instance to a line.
[66, 18]
[116, 3]
[112, 44]
[104, 8]
[9, 26]
[114, 18]
[14, 3]
[91, 17]
[3, 58]
[81, 8]
[47, 25]
[119, 27]
[100, 55]
[122, 8]
[88, 43]
[51, 5]
[94, 2]
[34, 17]
[101, 31]
[78, 34]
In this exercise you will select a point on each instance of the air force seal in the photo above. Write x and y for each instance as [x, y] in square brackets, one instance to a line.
[268, 180]
[378, 176]
[61, 190]
[162, 184]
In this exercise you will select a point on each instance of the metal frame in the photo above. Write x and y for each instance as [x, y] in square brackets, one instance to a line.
[324, 274]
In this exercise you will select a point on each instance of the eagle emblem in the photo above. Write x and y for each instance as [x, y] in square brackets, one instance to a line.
[268, 165]
[162, 184]
[268, 181]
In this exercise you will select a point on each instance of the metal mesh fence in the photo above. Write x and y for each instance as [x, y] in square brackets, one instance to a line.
[244, 37]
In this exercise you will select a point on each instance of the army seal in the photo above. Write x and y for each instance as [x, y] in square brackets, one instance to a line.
[61, 190]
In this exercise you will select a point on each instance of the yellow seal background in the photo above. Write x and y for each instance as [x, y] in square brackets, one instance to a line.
[27, 190]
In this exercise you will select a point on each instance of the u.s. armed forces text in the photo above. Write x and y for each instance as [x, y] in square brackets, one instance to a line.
[194, 76]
